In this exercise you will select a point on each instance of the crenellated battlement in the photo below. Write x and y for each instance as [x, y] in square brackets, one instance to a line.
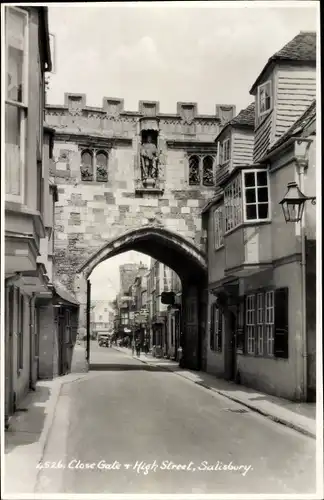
[186, 112]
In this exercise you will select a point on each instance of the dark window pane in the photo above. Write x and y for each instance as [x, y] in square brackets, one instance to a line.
[102, 175]
[251, 212]
[86, 166]
[263, 210]
[249, 179]
[208, 177]
[194, 177]
[281, 323]
[250, 196]
[262, 178]
[263, 194]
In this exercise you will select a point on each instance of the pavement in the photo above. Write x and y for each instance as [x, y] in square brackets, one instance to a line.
[298, 416]
[124, 422]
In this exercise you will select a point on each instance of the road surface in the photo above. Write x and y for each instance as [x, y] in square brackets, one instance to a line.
[129, 428]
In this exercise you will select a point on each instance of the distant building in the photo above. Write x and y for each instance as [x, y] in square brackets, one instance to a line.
[101, 320]
[128, 273]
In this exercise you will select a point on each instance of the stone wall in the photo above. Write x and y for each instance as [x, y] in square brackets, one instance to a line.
[89, 213]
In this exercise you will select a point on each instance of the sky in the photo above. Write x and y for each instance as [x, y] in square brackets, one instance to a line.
[209, 53]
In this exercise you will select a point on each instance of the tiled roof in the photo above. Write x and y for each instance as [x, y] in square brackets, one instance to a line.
[65, 294]
[245, 116]
[302, 48]
[297, 127]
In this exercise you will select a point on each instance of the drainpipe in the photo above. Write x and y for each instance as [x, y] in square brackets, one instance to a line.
[301, 173]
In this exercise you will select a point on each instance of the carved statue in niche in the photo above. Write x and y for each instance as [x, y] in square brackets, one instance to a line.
[149, 160]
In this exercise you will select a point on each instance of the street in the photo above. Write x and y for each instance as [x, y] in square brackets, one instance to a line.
[127, 427]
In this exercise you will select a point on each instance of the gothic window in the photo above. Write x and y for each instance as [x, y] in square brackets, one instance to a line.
[194, 174]
[86, 166]
[208, 173]
[101, 166]
[201, 170]
[94, 165]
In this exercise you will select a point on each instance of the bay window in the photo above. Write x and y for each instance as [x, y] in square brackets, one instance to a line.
[16, 36]
[233, 204]
[246, 199]
[256, 195]
[218, 227]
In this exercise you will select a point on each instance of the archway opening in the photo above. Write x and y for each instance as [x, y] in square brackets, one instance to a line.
[173, 252]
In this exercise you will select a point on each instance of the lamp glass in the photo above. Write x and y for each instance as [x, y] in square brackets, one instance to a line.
[293, 210]
[293, 203]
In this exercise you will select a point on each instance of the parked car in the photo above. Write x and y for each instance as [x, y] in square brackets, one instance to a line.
[104, 340]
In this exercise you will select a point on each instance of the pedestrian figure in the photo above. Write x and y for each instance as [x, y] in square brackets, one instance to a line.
[138, 348]
[146, 347]
[133, 347]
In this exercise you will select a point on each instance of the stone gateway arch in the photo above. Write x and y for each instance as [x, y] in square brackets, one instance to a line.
[135, 181]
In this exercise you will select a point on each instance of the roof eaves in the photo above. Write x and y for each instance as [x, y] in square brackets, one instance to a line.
[228, 124]
[297, 127]
[211, 203]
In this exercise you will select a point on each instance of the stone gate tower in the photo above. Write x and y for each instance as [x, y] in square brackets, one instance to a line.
[120, 171]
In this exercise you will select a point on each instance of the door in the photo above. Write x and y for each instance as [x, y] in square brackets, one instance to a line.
[61, 340]
[32, 381]
[36, 323]
[9, 326]
[88, 320]
[191, 333]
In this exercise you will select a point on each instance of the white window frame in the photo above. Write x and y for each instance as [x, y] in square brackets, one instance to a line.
[250, 323]
[226, 147]
[257, 203]
[266, 84]
[269, 322]
[260, 322]
[22, 106]
[233, 205]
[218, 219]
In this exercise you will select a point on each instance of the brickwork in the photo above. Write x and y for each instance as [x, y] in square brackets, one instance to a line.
[90, 213]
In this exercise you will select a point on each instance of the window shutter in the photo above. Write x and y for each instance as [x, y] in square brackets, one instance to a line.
[220, 330]
[281, 323]
[212, 323]
[240, 332]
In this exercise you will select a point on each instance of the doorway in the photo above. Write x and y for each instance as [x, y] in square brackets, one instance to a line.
[9, 329]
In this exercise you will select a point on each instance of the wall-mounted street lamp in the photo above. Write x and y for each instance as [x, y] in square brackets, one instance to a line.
[293, 203]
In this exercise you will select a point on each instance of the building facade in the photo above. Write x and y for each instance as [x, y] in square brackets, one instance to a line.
[262, 295]
[28, 58]
[101, 317]
[40, 319]
[115, 198]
